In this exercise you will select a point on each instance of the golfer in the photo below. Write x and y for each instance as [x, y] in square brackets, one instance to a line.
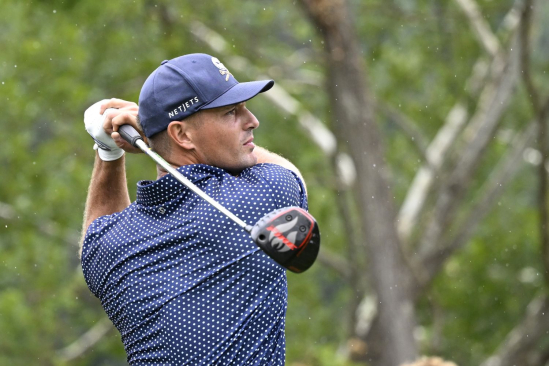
[182, 283]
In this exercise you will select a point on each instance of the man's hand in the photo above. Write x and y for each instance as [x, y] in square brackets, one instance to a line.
[124, 113]
[102, 121]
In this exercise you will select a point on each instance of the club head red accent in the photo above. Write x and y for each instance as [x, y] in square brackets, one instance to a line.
[290, 236]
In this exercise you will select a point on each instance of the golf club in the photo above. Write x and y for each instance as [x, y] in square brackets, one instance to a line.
[289, 235]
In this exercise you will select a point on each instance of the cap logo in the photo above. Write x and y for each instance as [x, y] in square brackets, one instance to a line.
[222, 69]
[183, 107]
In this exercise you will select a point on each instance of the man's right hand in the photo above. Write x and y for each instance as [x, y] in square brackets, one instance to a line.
[102, 121]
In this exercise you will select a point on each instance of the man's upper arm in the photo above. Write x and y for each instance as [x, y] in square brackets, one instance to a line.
[96, 231]
[303, 191]
[89, 247]
[265, 156]
[90, 234]
[287, 188]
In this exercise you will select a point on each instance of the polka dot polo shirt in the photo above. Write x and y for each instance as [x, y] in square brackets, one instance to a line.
[184, 284]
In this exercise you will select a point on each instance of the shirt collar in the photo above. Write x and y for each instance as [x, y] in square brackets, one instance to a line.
[151, 193]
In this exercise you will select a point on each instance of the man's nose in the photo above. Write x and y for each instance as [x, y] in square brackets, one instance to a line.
[250, 121]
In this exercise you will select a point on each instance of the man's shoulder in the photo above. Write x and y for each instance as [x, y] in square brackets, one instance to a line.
[102, 226]
[269, 171]
[266, 171]
[283, 184]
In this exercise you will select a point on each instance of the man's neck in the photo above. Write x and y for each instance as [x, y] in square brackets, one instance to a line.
[175, 163]
[160, 172]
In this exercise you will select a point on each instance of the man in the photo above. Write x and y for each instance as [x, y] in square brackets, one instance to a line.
[182, 283]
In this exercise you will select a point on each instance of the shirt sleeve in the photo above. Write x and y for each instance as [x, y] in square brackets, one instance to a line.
[286, 187]
[92, 250]
[303, 203]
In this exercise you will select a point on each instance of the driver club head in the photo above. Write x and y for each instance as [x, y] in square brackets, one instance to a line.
[290, 236]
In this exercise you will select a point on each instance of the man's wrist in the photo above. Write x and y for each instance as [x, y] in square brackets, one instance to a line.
[108, 155]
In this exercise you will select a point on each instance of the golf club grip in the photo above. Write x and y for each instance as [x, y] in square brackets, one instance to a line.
[129, 134]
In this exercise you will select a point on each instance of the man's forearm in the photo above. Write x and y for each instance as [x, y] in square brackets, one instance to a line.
[108, 191]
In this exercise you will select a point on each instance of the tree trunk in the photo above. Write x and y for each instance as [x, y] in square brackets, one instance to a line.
[390, 340]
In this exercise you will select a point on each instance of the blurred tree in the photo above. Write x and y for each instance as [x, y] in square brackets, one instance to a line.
[401, 266]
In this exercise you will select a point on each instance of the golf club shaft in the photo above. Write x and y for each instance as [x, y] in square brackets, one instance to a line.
[181, 178]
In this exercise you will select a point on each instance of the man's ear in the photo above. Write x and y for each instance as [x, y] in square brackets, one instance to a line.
[181, 134]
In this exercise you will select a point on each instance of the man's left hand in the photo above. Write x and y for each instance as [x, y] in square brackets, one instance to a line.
[102, 121]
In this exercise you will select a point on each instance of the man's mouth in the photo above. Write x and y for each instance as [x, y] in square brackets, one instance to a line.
[249, 142]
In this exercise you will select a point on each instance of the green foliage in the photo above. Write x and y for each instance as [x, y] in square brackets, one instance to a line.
[58, 57]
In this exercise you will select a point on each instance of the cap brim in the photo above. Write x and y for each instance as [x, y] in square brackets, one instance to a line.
[239, 93]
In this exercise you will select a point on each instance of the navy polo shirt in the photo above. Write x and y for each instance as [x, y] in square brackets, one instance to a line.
[184, 284]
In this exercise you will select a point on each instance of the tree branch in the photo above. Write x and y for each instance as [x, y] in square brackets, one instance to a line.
[409, 127]
[481, 28]
[524, 337]
[525, 25]
[86, 341]
[422, 184]
[489, 193]
[494, 100]
[423, 180]
[335, 262]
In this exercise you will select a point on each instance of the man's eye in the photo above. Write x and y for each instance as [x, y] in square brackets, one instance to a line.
[231, 112]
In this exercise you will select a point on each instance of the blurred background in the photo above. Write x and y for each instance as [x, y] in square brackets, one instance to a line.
[420, 127]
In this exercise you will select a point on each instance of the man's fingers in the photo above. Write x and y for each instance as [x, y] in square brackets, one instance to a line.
[124, 118]
[127, 118]
[114, 118]
[123, 144]
[109, 115]
[118, 104]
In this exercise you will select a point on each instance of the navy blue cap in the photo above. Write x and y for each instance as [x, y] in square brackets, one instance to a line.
[187, 84]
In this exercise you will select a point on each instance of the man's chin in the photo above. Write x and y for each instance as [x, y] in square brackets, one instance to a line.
[253, 158]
